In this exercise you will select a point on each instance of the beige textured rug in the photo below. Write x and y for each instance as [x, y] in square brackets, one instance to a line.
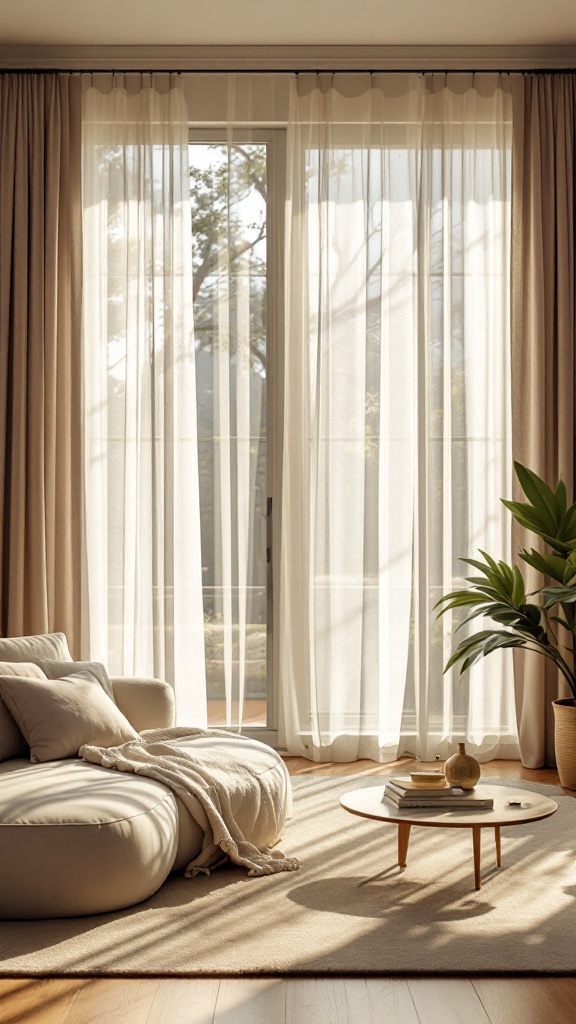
[348, 910]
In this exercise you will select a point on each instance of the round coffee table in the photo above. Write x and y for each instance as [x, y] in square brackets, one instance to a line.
[368, 803]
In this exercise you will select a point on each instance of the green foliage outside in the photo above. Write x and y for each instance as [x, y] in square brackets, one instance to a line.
[545, 625]
[222, 237]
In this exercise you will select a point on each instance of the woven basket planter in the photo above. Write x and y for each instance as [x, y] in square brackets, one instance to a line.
[565, 740]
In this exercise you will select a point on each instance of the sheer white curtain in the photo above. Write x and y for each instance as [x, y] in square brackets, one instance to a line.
[143, 576]
[397, 409]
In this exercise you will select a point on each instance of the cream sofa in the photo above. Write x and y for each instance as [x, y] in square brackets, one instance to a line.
[77, 839]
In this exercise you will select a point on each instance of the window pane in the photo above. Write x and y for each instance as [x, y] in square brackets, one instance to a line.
[228, 189]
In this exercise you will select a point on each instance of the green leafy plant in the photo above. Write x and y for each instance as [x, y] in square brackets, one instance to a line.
[546, 624]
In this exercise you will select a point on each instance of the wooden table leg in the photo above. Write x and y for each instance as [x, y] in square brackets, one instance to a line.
[476, 833]
[498, 847]
[403, 840]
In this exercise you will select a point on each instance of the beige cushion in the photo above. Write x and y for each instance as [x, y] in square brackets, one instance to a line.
[79, 839]
[57, 716]
[29, 648]
[22, 669]
[59, 669]
[12, 742]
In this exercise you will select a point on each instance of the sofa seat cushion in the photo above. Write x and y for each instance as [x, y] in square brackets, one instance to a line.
[76, 838]
[79, 839]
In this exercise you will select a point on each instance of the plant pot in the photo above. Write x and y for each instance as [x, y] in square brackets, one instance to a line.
[565, 740]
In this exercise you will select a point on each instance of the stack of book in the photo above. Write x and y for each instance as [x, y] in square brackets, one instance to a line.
[402, 792]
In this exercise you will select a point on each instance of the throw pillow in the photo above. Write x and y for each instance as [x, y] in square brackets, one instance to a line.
[12, 742]
[59, 669]
[30, 648]
[56, 716]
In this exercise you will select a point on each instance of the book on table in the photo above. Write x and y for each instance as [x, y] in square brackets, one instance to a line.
[471, 801]
[404, 786]
[404, 793]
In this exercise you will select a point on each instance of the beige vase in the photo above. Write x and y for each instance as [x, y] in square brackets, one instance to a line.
[565, 740]
[462, 769]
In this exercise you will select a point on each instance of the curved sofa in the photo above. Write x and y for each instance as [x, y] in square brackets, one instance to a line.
[77, 839]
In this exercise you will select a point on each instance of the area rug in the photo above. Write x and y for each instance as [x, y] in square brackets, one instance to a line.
[348, 910]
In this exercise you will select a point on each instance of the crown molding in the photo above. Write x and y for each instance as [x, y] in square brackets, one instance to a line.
[287, 58]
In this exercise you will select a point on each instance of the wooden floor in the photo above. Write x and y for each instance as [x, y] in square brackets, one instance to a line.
[220, 713]
[299, 1001]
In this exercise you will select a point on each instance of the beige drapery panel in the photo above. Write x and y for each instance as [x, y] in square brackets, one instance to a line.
[40, 298]
[543, 339]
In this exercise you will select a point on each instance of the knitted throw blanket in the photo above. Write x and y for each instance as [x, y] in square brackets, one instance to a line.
[238, 801]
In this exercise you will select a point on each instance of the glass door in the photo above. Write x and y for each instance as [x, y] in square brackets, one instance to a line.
[229, 192]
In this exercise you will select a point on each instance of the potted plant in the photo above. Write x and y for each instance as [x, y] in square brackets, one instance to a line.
[546, 624]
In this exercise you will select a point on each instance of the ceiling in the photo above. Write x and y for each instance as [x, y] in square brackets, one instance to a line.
[299, 22]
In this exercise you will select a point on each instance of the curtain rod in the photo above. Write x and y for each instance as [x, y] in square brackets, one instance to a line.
[288, 71]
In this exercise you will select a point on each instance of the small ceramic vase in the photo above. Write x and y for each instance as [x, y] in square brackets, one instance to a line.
[462, 769]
